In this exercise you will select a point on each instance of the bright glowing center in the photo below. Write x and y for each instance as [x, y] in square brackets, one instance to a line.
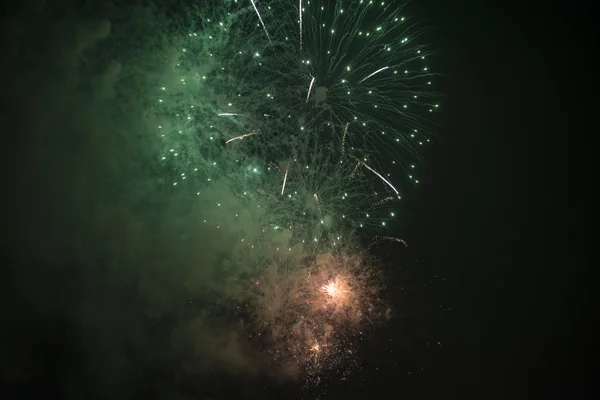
[332, 289]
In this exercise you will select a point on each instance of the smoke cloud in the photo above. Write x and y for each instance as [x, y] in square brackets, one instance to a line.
[103, 257]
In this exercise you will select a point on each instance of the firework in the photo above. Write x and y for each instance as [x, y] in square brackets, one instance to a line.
[365, 65]
[311, 114]
[323, 83]
[347, 81]
[312, 310]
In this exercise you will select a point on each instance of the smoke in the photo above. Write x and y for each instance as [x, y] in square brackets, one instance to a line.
[122, 274]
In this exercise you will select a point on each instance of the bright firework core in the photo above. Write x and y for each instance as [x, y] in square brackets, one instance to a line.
[334, 289]
[337, 295]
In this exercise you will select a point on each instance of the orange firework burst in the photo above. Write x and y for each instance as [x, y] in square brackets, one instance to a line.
[313, 311]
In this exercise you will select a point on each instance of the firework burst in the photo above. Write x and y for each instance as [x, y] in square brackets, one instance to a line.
[313, 114]
[312, 310]
[337, 96]
[355, 71]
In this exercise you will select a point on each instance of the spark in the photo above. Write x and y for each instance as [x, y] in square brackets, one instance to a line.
[395, 239]
[385, 200]
[261, 21]
[285, 177]
[300, 14]
[310, 88]
[379, 175]
[229, 114]
[241, 136]
[370, 75]
[344, 139]
[354, 170]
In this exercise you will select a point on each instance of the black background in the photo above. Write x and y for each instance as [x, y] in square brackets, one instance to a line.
[500, 212]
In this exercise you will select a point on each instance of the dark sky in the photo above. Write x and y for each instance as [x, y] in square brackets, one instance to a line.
[494, 220]
[498, 211]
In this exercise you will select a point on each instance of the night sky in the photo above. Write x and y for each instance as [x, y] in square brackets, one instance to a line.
[500, 206]
[493, 230]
